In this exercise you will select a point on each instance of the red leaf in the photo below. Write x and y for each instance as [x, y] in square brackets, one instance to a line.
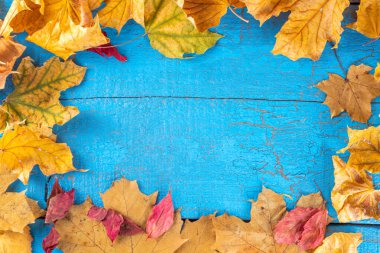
[108, 50]
[303, 226]
[112, 223]
[129, 228]
[59, 206]
[161, 217]
[50, 241]
[54, 191]
[314, 231]
[97, 213]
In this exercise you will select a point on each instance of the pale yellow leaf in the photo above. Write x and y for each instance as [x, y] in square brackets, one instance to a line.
[364, 147]
[13, 242]
[310, 25]
[200, 235]
[340, 243]
[116, 13]
[263, 10]
[354, 196]
[368, 22]
[125, 197]
[17, 211]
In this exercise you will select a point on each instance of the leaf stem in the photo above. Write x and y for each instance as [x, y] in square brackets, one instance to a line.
[237, 15]
[339, 61]
[124, 43]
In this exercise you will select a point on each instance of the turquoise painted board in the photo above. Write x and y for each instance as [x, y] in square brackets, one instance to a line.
[214, 129]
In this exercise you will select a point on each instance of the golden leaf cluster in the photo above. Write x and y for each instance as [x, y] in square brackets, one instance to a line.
[354, 196]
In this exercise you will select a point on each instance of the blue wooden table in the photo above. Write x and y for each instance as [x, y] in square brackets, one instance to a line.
[214, 129]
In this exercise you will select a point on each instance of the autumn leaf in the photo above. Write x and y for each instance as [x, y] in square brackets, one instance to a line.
[352, 94]
[9, 52]
[309, 26]
[161, 217]
[23, 15]
[340, 242]
[364, 148]
[50, 242]
[354, 196]
[368, 22]
[263, 10]
[114, 223]
[56, 189]
[137, 206]
[59, 206]
[80, 233]
[21, 149]
[206, 13]
[171, 33]
[108, 50]
[116, 13]
[377, 72]
[13, 242]
[200, 234]
[236, 236]
[37, 91]
[17, 211]
[65, 27]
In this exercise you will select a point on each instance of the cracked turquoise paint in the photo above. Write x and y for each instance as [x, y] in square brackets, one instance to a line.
[214, 129]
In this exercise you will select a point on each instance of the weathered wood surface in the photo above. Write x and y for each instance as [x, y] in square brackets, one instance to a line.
[215, 128]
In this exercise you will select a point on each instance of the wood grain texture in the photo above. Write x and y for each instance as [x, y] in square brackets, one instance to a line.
[214, 129]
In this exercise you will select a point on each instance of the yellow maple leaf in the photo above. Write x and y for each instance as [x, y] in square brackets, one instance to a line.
[310, 25]
[368, 22]
[79, 233]
[116, 13]
[21, 149]
[171, 33]
[37, 91]
[23, 15]
[353, 94]
[364, 147]
[9, 52]
[65, 26]
[17, 211]
[13, 242]
[340, 242]
[263, 10]
[200, 235]
[207, 13]
[354, 196]
[136, 206]
[236, 236]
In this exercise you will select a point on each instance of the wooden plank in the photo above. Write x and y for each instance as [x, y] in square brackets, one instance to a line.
[215, 154]
[240, 66]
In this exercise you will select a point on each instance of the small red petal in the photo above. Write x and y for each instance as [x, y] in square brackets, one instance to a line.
[59, 206]
[112, 223]
[129, 228]
[50, 241]
[108, 50]
[161, 217]
[97, 213]
[54, 191]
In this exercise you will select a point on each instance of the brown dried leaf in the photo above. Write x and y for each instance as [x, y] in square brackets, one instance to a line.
[353, 94]
[235, 236]
[13, 242]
